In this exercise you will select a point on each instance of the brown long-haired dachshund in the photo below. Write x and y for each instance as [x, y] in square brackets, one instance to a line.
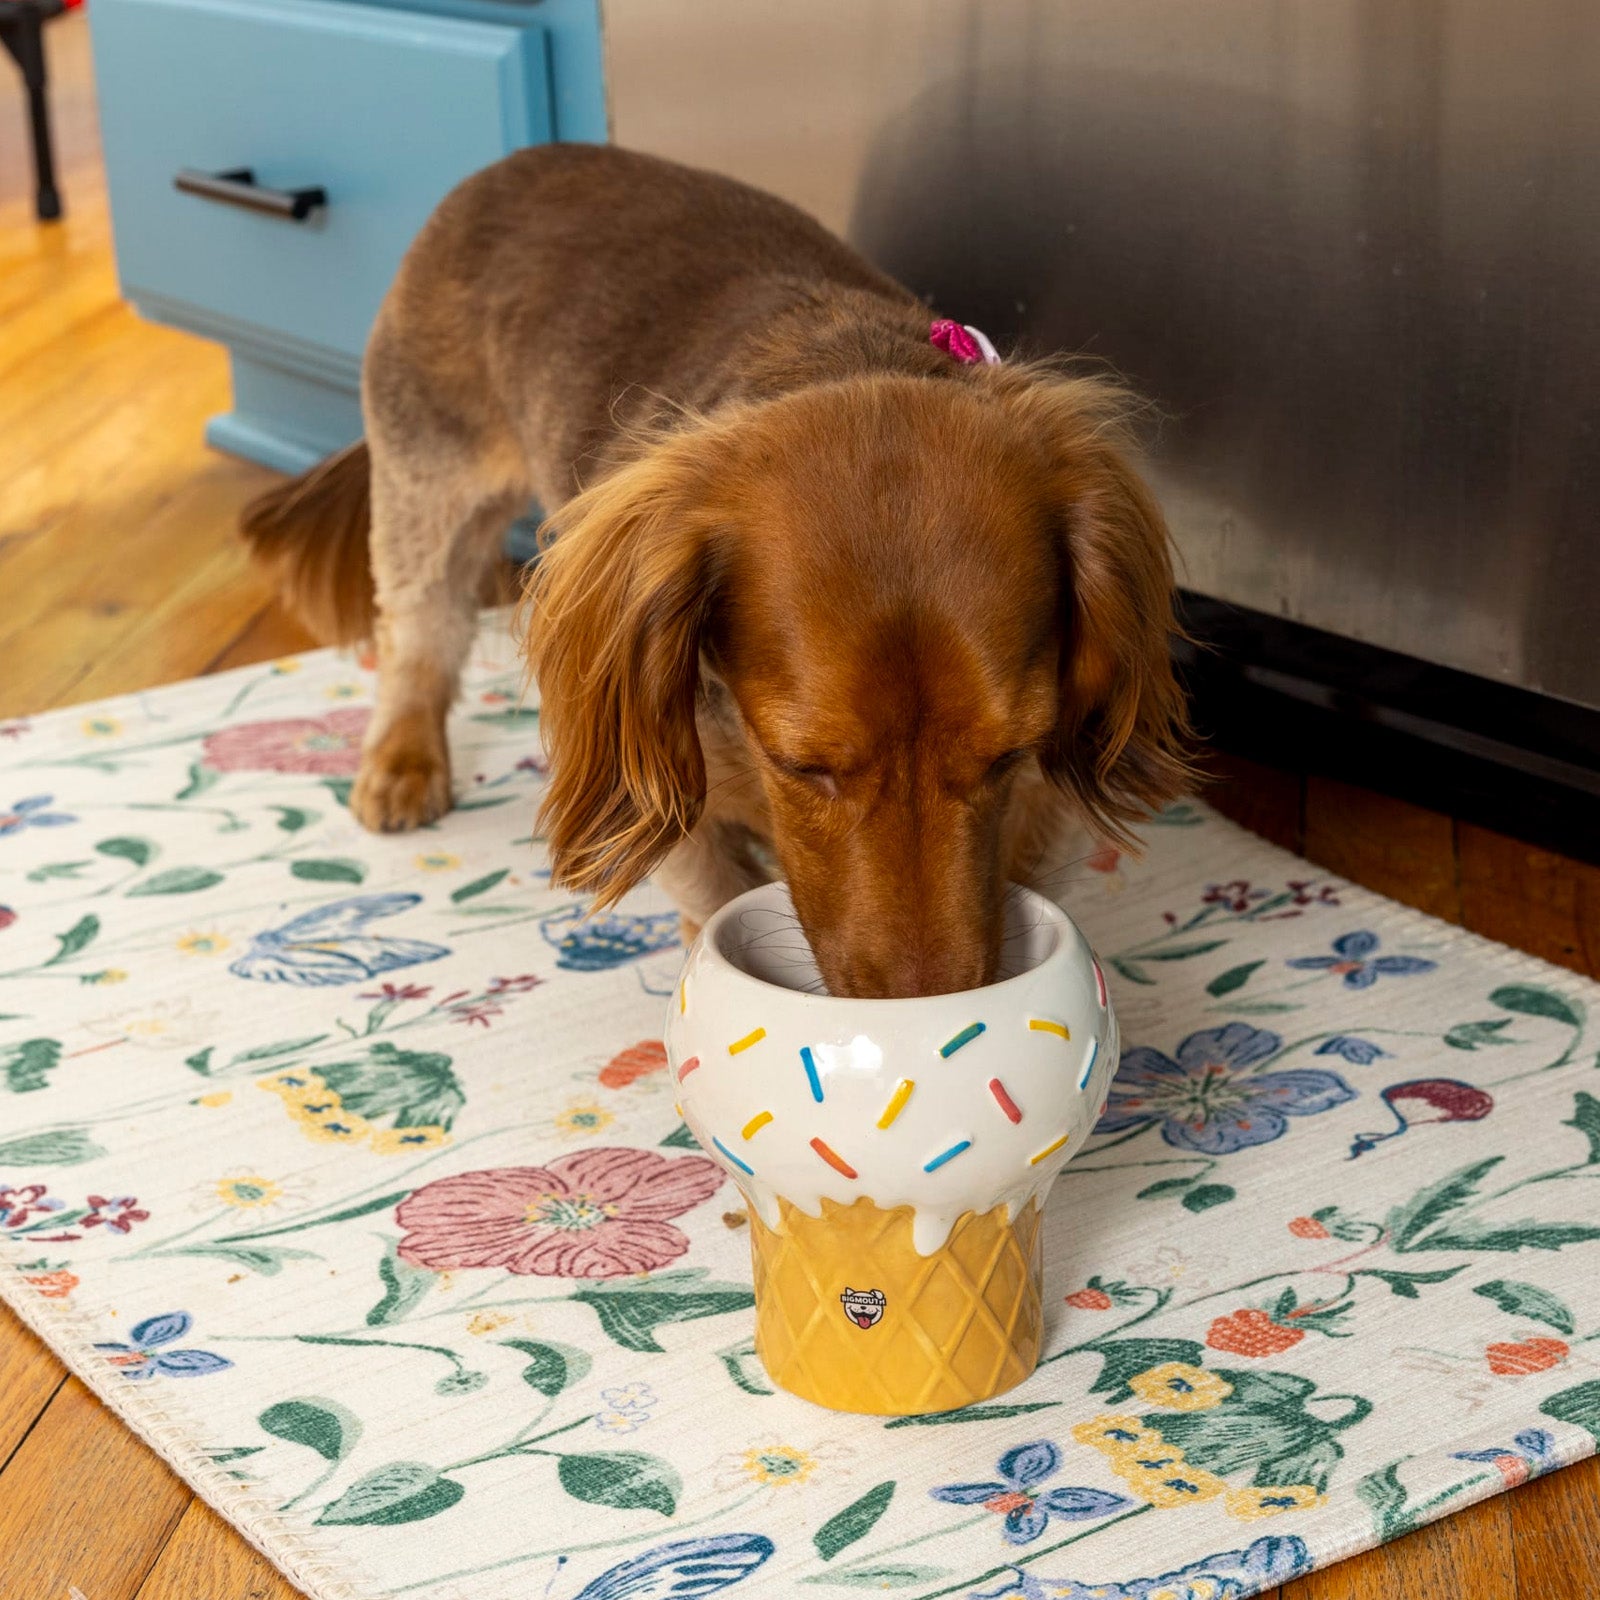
[820, 588]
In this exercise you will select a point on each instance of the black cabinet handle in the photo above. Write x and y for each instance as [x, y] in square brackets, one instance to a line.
[238, 187]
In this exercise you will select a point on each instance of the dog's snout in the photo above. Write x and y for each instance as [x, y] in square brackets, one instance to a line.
[908, 971]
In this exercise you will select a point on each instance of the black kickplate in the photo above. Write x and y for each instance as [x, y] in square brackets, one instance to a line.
[1300, 699]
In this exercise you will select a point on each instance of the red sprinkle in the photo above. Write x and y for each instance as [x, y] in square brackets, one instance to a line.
[688, 1067]
[1005, 1102]
[837, 1162]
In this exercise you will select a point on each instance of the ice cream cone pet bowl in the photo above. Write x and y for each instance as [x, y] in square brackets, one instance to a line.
[895, 1154]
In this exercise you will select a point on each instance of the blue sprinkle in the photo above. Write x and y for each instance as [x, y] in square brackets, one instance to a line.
[966, 1036]
[950, 1154]
[732, 1157]
[809, 1063]
[1088, 1063]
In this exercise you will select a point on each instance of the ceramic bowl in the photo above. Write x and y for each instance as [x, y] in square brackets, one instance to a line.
[895, 1154]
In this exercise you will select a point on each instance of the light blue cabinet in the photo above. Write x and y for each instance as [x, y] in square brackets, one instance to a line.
[383, 108]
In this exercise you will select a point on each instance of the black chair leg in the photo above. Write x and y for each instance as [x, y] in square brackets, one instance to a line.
[25, 40]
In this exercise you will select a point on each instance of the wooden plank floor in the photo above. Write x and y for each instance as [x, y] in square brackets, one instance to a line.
[119, 571]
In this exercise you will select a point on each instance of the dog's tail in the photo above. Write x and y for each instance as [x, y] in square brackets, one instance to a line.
[312, 535]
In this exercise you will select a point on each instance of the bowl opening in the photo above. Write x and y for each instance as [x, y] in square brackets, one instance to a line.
[765, 940]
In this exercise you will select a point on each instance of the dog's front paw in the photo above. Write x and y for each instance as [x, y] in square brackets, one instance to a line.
[400, 787]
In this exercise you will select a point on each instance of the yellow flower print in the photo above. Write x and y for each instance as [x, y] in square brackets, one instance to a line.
[248, 1191]
[1116, 1436]
[583, 1118]
[437, 861]
[295, 1084]
[222, 1097]
[1254, 1503]
[323, 1118]
[397, 1141]
[109, 975]
[481, 1323]
[342, 691]
[286, 665]
[1162, 1478]
[1180, 1387]
[778, 1466]
[204, 944]
[100, 727]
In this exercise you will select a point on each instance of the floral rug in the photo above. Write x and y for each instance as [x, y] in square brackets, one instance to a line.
[346, 1170]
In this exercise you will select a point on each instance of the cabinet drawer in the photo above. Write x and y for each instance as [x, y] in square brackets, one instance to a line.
[384, 110]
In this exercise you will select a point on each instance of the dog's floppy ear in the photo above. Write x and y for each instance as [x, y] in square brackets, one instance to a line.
[615, 610]
[1121, 742]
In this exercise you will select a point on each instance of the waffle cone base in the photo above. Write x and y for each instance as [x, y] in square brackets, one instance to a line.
[850, 1316]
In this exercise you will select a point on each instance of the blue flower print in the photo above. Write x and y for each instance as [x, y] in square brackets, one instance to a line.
[1208, 1100]
[1531, 1452]
[1350, 961]
[1359, 1052]
[330, 945]
[34, 812]
[690, 1568]
[591, 944]
[144, 1357]
[1026, 1512]
[1228, 1575]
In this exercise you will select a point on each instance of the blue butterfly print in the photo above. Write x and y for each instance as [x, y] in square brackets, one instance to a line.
[686, 1569]
[329, 945]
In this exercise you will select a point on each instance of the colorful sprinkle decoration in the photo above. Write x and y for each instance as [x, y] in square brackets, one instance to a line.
[743, 1166]
[755, 1124]
[966, 1036]
[1044, 1025]
[1088, 1063]
[1099, 983]
[688, 1067]
[809, 1062]
[947, 1155]
[1012, 1110]
[1049, 1150]
[755, 1036]
[897, 1101]
[834, 1160]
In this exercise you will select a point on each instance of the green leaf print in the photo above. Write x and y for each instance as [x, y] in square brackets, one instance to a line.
[28, 1063]
[406, 1088]
[268, 1262]
[63, 1147]
[511, 717]
[200, 779]
[200, 1061]
[283, 1047]
[625, 1480]
[1474, 1035]
[177, 880]
[478, 886]
[854, 1522]
[1182, 952]
[52, 870]
[80, 935]
[680, 1139]
[291, 819]
[743, 1366]
[1471, 1234]
[1207, 1195]
[1528, 1300]
[1162, 1186]
[1132, 973]
[1580, 1407]
[336, 869]
[632, 1310]
[1436, 1200]
[1404, 1284]
[1385, 1497]
[884, 1577]
[403, 1286]
[1586, 1119]
[979, 1413]
[1233, 978]
[129, 848]
[321, 1425]
[551, 1367]
[1529, 1000]
[403, 1491]
[1125, 1358]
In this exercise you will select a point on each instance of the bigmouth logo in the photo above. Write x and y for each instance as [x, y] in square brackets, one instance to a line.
[862, 1306]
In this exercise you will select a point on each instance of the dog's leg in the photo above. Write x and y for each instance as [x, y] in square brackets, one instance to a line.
[436, 534]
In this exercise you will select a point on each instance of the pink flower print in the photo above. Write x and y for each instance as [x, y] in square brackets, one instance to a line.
[594, 1214]
[329, 746]
[118, 1213]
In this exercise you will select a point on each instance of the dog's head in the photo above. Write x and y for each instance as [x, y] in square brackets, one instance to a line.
[921, 599]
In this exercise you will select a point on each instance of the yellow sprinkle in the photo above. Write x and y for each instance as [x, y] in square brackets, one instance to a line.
[756, 1124]
[683, 1000]
[748, 1040]
[897, 1101]
[1040, 1025]
[679, 1109]
[1049, 1150]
